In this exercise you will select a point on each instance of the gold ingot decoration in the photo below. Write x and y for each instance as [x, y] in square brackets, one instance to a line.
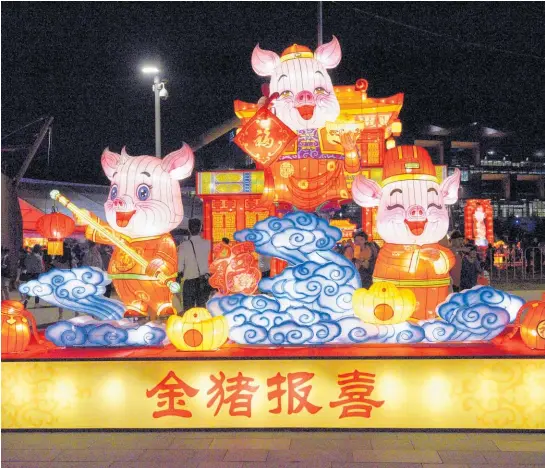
[197, 330]
[383, 304]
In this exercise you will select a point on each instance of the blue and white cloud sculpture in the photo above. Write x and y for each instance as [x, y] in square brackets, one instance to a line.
[86, 332]
[79, 289]
[310, 302]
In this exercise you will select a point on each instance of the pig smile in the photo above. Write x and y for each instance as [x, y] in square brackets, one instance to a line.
[122, 218]
[416, 227]
[306, 111]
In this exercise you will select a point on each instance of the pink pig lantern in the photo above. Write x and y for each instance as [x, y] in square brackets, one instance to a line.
[412, 218]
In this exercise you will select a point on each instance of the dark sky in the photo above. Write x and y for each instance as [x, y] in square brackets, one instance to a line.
[79, 62]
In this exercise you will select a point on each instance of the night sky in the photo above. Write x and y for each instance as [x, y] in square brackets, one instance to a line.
[79, 62]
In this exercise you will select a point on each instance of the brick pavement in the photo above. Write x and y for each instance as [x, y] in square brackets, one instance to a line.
[272, 450]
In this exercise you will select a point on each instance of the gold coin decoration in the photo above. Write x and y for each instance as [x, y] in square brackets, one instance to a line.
[303, 184]
[286, 170]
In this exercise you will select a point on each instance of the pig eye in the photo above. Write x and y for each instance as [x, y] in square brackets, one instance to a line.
[143, 192]
[113, 192]
[286, 94]
[439, 207]
[320, 90]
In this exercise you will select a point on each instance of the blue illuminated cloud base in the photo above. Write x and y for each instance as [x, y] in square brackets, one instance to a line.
[310, 302]
[86, 332]
[79, 289]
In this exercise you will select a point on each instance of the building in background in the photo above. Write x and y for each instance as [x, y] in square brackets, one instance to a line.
[495, 165]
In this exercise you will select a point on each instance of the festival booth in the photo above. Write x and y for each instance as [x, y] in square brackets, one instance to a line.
[307, 347]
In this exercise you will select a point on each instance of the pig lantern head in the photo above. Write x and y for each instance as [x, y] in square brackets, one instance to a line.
[412, 205]
[145, 198]
[306, 96]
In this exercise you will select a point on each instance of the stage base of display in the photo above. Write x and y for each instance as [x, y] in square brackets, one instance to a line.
[465, 387]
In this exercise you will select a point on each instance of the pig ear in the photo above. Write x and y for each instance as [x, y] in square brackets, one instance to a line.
[366, 192]
[449, 188]
[329, 55]
[264, 61]
[179, 164]
[110, 162]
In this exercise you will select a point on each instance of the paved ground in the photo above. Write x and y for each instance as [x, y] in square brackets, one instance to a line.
[272, 450]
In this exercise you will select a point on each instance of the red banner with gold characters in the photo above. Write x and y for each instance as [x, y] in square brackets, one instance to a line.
[324, 393]
[264, 137]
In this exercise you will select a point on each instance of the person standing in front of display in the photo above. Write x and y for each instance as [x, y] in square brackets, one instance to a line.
[193, 265]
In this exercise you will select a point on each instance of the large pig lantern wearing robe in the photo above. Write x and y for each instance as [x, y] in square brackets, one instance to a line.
[143, 206]
[310, 172]
[412, 218]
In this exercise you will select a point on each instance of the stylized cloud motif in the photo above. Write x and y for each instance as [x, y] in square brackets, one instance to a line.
[88, 332]
[291, 238]
[480, 295]
[79, 289]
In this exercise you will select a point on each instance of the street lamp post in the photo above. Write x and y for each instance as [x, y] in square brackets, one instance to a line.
[156, 83]
[159, 92]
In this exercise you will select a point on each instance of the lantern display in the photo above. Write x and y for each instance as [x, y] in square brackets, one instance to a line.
[478, 222]
[531, 322]
[16, 322]
[55, 227]
[412, 218]
[197, 330]
[383, 304]
[143, 206]
[235, 268]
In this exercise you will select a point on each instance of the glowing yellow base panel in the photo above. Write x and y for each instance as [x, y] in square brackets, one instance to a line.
[322, 393]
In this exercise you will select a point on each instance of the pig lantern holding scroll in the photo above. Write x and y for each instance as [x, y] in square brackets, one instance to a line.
[412, 218]
[143, 206]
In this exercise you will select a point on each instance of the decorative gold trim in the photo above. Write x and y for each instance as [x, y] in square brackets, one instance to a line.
[294, 55]
[414, 283]
[399, 178]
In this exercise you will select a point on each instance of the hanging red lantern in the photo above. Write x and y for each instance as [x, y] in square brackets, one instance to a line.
[16, 321]
[55, 227]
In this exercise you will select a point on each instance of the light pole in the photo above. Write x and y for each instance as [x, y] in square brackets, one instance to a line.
[159, 92]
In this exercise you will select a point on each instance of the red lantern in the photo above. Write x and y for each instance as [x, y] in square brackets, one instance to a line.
[16, 322]
[55, 227]
[531, 320]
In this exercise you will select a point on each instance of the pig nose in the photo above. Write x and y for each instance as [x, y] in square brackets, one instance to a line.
[416, 211]
[119, 203]
[304, 98]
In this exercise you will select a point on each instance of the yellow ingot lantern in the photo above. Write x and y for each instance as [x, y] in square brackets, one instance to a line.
[197, 330]
[383, 304]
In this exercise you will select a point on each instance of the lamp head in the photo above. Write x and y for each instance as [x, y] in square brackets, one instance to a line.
[150, 70]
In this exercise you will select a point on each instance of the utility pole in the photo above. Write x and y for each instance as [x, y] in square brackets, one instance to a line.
[320, 25]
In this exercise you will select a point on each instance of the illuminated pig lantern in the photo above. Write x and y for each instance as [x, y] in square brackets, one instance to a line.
[143, 206]
[309, 171]
[412, 218]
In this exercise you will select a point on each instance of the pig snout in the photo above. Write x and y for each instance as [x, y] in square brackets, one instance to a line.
[119, 203]
[305, 104]
[416, 213]
[304, 98]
